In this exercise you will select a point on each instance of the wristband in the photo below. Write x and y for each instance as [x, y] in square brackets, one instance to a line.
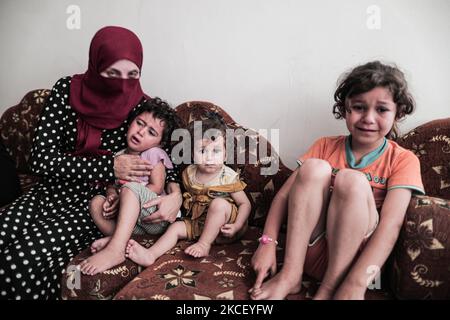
[265, 239]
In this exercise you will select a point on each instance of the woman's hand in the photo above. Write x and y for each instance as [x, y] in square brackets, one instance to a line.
[264, 262]
[168, 207]
[129, 167]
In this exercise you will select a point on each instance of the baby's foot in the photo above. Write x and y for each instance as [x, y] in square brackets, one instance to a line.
[198, 250]
[102, 261]
[276, 288]
[139, 254]
[99, 244]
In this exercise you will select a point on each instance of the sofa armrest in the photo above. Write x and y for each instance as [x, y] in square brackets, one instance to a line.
[17, 125]
[421, 257]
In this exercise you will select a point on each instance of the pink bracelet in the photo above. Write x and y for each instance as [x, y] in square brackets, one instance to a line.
[265, 239]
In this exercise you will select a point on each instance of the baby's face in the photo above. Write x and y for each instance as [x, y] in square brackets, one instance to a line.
[145, 132]
[209, 155]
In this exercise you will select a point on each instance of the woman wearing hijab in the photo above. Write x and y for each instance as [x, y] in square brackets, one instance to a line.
[82, 125]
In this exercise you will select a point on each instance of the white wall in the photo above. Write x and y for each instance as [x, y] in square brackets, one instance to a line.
[269, 63]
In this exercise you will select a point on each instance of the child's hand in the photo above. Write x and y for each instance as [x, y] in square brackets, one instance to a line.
[264, 262]
[229, 230]
[111, 206]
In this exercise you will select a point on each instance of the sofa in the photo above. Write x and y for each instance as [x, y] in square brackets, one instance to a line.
[418, 267]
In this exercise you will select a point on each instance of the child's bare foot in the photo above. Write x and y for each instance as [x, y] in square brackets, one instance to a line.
[276, 288]
[139, 254]
[198, 249]
[99, 244]
[102, 261]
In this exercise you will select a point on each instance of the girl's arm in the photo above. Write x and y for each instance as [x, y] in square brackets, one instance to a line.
[278, 208]
[244, 207]
[157, 178]
[264, 260]
[379, 246]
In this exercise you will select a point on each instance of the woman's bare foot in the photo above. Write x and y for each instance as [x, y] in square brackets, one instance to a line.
[276, 288]
[198, 249]
[102, 261]
[139, 254]
[99, 244]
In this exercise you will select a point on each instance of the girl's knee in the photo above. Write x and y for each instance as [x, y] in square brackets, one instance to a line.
[219, 205]
[314, 170]
[350, 182]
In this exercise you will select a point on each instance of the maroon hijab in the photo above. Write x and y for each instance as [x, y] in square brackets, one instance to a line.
[104, 103]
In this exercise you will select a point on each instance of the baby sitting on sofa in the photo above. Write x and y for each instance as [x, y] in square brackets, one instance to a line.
[217, 207]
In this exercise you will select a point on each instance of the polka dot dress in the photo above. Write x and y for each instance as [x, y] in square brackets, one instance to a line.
[43, 229]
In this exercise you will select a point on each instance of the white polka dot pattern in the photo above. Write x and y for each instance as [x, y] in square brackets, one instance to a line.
[42, 230]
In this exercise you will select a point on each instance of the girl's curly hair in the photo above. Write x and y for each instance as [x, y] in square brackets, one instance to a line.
[369, 76]
[160, 110]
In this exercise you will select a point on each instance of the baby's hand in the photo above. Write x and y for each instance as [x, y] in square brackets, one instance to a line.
[229, 230]
[111, 206]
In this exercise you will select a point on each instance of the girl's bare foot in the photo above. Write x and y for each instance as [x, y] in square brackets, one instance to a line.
[324, 292]
[276, 288]
[139, 254]
[198, 249]
[99, 244]
[102, 261]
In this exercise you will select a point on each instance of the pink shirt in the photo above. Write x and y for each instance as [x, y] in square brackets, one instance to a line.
[154, 156]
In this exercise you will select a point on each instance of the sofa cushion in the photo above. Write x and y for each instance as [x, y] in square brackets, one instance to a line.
[224, 274]
[431, 143]
[421, 255]
[17, 126]
[103, 286]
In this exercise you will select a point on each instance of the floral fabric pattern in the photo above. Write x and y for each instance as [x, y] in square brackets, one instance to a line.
[421, 257]
[431, 143]
[17, 127]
